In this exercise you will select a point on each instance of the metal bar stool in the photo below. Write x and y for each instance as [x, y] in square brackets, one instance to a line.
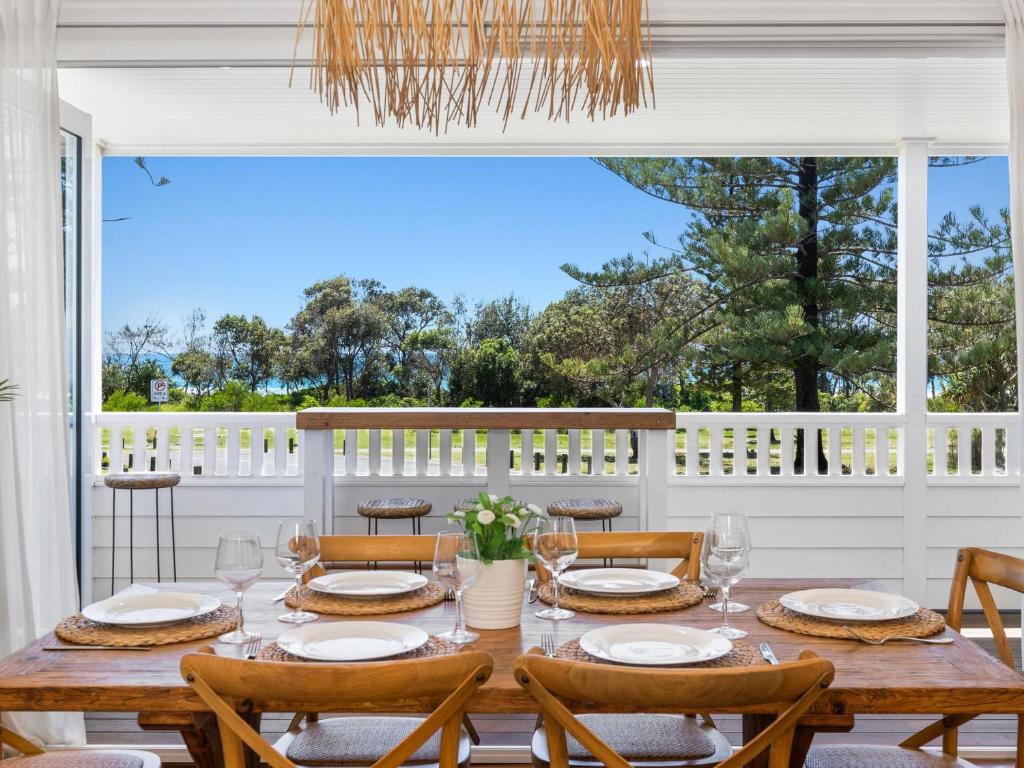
[375, 510]
[604, 510]
[140, 481]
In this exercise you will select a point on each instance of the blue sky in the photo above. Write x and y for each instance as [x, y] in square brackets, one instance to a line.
[246, 235]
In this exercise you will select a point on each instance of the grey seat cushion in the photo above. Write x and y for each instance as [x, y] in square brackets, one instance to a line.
[858, 756]
[362, 741]
[77, 759]
[662, 739]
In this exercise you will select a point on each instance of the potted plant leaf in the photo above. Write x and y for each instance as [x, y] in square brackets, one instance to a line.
[500, 526]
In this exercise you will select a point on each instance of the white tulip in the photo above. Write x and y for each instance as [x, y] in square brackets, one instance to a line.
[486, 517]
[512, 519]
[458, 513]
[535, 509]
[493, 497]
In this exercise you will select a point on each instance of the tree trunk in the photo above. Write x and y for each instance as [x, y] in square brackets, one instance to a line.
[737, 388]
[649, 389]
[806, 366]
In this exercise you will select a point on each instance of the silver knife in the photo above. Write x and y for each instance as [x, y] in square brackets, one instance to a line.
[768, 654]
[531, 596]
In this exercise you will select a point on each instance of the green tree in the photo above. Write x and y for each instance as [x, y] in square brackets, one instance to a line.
[497, 373]
[253, 347]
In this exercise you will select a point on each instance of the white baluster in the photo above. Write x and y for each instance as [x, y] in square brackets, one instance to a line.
[140, 445]
[786, 451]
[550, 452]
[185, 441]
[859, 462]
[113, 448]
[882, 451]
[469, 453]
[300, 451]
[715, 447]
[351, 452]
[374, 452]
[210, 451]
[811, 439]
[1011, 443]
[597, 451]
[257, 456]
[497, 462]
[280, 434]
[422, 451]
[574, 452]
[233, 451]
[988, 451]
[445, 453]
[621, 451]
[525, 452]
[397, 452]
[940, 460]
[835, 451]
[162, 436]
[963, 451]
[764, 451]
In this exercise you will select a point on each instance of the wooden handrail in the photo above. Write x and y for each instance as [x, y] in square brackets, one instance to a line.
[485, 418]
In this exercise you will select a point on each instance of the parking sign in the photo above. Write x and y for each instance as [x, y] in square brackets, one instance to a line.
[159, 390]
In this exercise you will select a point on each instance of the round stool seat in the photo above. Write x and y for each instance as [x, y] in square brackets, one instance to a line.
[140, 481]
[393, 509]
[585, 509]
[468, 505]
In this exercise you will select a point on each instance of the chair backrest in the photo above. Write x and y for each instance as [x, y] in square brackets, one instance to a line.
[441, 686]
[684, 546]
[983, 567]
[382, 549]
[788, 690]
[20, 743]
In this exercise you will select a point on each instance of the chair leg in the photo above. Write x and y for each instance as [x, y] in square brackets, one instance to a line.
[156, 492]
[417, 566]
[131, 536]
[174, 544]
[113, 536]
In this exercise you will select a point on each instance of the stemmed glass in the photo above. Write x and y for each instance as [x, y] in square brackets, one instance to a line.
[297, 550]
[239, 563]
[555, 546]
[457, 565]
[732, 527]
[724, 561]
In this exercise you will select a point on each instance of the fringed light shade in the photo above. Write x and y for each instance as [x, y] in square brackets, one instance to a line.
[432, 63]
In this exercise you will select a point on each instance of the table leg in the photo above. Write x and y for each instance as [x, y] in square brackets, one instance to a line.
[200, 734]
[802, 738]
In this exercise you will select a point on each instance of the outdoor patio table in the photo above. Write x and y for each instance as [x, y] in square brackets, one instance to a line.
[897, 678]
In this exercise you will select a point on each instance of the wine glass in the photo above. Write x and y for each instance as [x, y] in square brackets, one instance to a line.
[239, 563]
[297, 550]
[457, 565]
[555, 546]
[723, 563]
[731, 527]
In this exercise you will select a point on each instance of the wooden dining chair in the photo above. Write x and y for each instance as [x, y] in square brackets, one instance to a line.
[981, 568]
[442, 686]
[683, 546]
[31, 756]
[656, 738]
[354, 551]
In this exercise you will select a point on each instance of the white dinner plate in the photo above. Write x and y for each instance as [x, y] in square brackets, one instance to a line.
[849, 604]
[618, 581]
[654, 644]
[368, 583]
[352, 640]
[153, 609]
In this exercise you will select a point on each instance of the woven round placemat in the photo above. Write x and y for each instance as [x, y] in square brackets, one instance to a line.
[82, 631]
[685, 595]
[435, 646]
[921, 624]
[321, 602]
[741, 655]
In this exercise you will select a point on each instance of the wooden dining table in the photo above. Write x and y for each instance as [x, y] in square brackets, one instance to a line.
[895, 678]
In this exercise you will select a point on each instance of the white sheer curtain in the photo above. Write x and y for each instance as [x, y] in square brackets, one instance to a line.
[37, 573]
[1014, 12]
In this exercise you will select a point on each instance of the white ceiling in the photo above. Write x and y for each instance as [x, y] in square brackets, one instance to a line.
[737, 75]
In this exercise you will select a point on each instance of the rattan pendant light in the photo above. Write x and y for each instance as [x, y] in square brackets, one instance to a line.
[433, 63]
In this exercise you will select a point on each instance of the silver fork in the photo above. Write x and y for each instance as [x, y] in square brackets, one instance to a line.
[884, 640]
[547, 644]
[449, 595]
[710, 593]
[252, 648]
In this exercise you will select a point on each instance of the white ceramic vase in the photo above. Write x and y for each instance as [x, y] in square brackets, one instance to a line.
[495, 601]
